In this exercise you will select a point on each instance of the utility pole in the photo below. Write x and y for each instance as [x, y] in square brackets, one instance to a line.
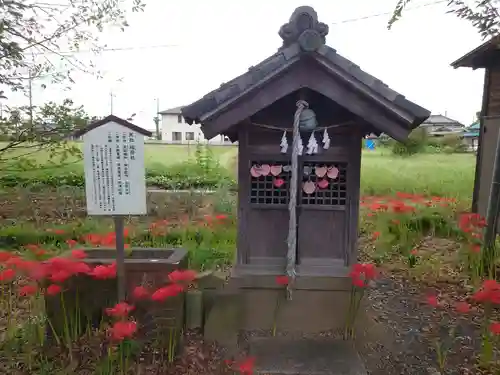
[111, 96]
[157, 120]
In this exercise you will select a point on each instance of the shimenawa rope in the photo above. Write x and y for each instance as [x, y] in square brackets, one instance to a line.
[292, 205]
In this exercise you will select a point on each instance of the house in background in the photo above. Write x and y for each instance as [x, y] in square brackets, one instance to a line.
[175, 130]
[439, 126]
[471, 136]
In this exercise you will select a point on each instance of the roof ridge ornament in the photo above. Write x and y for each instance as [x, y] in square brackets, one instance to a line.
[305, 29]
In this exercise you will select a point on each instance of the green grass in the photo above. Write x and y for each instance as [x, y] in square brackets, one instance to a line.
[450, 175]
[155, 155]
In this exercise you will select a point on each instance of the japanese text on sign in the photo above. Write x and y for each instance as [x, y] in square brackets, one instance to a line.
[114, 171]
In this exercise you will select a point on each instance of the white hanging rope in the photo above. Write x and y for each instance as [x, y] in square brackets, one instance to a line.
[292, 205]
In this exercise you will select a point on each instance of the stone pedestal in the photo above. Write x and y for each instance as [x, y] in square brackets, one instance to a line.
[285, 356]
[319, 303]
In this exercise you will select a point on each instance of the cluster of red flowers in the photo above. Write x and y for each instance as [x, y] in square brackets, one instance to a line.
[488, 294]
[362, 273]
[105, 240]
[123, 327]
[160, 227]
[459, 306]
[472, 226]
[55, 270]
[402, 203]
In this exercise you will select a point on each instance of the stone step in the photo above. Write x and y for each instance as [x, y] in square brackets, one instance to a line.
[305, 356]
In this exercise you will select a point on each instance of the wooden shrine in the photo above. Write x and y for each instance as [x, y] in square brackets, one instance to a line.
[299, 117]
[487, 57]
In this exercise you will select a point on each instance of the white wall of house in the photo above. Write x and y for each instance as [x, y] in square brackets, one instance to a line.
[175, 130]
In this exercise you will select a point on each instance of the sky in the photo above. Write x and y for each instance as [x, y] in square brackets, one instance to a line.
[177, 51]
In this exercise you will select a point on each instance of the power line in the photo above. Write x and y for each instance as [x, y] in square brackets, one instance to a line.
[388, 13]
[130, 48]
[133, 48]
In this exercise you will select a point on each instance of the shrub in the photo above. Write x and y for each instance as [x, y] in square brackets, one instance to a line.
[453, 144]
[415, 143]
[186, 175]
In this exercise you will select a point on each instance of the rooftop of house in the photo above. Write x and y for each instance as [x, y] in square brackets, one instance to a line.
[474, 126]
[440, 120]
[171, 111]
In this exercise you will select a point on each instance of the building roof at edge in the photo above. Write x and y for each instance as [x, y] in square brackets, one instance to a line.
[171, 111]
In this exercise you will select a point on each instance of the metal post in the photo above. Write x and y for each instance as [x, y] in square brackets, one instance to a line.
[493, 210]
[120, 256]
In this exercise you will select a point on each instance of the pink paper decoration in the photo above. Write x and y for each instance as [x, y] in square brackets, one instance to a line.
[333, 173]
[309, 187]
[278, 182]
[265, 169]
[276, 170]
[255, 171]
[320, 171]
[323, 183]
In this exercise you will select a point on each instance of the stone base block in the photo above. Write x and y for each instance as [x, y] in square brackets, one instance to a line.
[284, 356]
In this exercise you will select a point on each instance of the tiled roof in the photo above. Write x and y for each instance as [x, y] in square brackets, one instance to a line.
[286, 56]
[477, 58]
[279, 61]
[440, 120]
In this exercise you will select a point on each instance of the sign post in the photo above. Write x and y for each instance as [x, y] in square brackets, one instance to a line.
[115, 183]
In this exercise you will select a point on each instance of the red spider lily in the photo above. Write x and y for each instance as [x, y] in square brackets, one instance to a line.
[182, 276]
[140, 292]
[28, 290]
[221, 217]
[376, 235]
[489, 292]
[5, 256]
[414, 252]
[168, 291]
[40, 252]
[61, 268]
[495, 328]
[122, 330]
[475, 248]
[433, 301]
[71, 242]
[78, 254]
[7, 275]
[60, 276]
[362, 273]
[53, 289]
[158, 223]
[16, 262]
[471, 221]
[82, 268]
[104, 272]
[462, 307]
[32, 248]
[246, 366]
[55, 231]
[282, 280]
[120, 310]
[108, 239]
